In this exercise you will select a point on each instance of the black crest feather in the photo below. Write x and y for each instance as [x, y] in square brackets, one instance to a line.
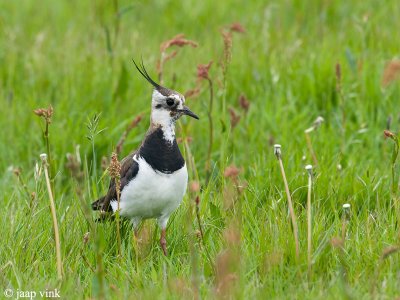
[142, 70]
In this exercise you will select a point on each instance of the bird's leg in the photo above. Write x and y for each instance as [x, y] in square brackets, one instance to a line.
[135, 224]
[163, 241]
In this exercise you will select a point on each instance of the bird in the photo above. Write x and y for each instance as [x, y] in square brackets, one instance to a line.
[154, 177]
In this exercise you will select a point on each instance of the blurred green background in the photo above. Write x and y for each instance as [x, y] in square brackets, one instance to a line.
[77, 56]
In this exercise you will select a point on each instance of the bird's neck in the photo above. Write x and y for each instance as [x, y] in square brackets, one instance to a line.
[169, 132]
[164, 121]
[160, 154]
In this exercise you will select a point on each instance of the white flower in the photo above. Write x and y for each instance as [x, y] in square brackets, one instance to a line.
[277, 150]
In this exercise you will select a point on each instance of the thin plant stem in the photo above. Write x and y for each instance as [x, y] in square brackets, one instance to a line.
[118, 220]
[194, 255]
[87, 263]
[211, 131]
[198, 218]
[115, 172]
[395, 183]
[46, 137]
[99, 268]
[311, 149]
[342, 257]
[345, 220]
[116, 21]
[136, 246]
[94, 161]
[190, 159]
[197, 201]
[46, 114]
[54, 216]
[342, 103]
[289, 198]
[309, 228]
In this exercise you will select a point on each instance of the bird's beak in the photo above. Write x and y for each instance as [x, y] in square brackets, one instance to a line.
[188, 112]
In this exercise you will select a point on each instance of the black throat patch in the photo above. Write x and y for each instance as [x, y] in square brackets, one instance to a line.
[160, 154]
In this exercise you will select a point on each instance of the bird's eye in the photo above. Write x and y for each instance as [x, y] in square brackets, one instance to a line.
[170, 101]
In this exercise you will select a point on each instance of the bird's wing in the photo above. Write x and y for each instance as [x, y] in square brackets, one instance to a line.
[129, 170]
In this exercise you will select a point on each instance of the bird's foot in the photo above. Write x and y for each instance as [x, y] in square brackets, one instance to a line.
[163, 242]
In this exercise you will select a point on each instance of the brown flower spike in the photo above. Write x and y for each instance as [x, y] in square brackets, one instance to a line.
[237, 27]
[391, 72]
[193, 93]
[389, 134]
[115, 167]
[115, 172]
[179, 41]
[194, 186]
[235, 117]
[244, 102]
[232, 171]
[202, 71]
[46, 113]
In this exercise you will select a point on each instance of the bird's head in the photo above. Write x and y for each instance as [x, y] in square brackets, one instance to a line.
[167, 106]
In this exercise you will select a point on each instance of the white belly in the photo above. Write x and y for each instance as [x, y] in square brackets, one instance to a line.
[152, 194]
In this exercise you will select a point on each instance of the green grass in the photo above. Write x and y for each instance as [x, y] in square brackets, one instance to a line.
[56, 52]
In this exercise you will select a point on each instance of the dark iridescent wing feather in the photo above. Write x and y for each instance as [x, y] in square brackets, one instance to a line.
[129, 170]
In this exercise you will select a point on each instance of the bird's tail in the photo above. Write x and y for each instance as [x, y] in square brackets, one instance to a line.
[104, 208]
[100, 204]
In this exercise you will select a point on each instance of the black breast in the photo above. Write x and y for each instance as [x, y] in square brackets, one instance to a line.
[160, 154]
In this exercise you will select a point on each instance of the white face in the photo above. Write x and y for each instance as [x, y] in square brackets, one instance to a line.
[165, 110]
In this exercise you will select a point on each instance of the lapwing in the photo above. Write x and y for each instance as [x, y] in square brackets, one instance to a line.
[154, 177]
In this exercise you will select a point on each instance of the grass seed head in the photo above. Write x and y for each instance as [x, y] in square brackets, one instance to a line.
[115, 167]
[244, 103]
[337, 242]
[232, 172]
[391, 72]
[202, 71]
[188, 139]
[194, 186]
[389, 134]
[338, 71]
[179, 41]
[234, 117]
[318, 121]
[45, 113]
[316, 124]
[86, 237]
[237, 27]
[346, 211]
[277, 151]
[309, 169]
[43, 157]
[193, 93]
[227, 39]
[17, 172]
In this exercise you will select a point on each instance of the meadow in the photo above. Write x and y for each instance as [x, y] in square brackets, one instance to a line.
[276, 66]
